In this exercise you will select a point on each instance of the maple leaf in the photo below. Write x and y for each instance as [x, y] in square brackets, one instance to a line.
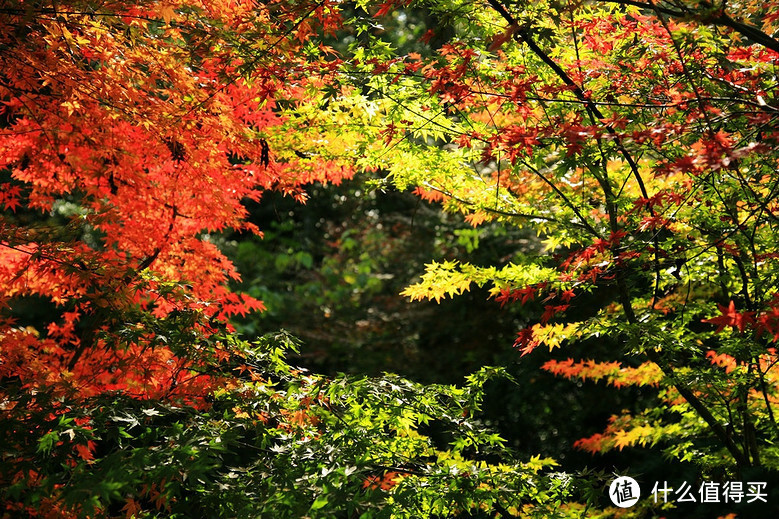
[526, 341]
[131, 508]
[594, 444]
[86, 452]
[722, 360]
[565, 368]
[551, 310]
[567, 295]
[731, 317]
[622, 439]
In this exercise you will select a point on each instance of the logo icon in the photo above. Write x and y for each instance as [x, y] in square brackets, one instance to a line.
[624, 492]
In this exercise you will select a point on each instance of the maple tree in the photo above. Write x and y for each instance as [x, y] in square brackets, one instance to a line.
[140, 131]
[130, 134]
[638, 139]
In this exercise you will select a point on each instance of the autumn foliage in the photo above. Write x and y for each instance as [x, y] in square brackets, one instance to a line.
[138, 130]
[637, 140]
[128, 133]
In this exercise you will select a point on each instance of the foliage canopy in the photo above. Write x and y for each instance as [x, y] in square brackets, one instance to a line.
[636, 138]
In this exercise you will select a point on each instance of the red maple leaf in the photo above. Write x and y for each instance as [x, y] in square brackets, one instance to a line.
[731, 317]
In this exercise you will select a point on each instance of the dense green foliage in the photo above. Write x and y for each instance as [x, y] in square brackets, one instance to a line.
[283, 443]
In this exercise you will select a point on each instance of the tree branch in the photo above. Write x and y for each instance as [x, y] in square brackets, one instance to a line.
[523, 35]
[750, 32]
[509, 214]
